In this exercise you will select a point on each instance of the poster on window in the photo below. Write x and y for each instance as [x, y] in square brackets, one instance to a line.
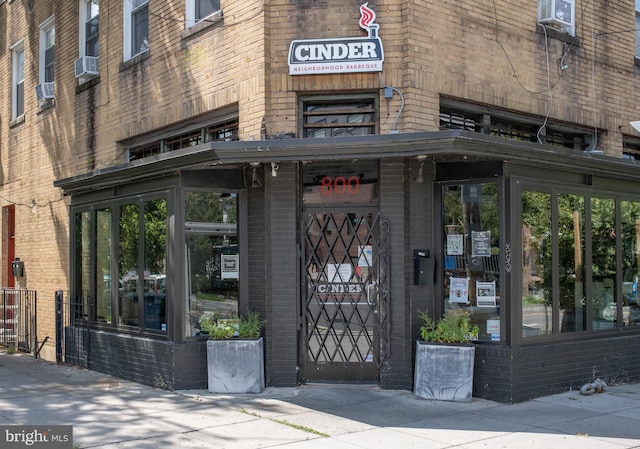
[455, 245]
[229, 266]
[459, 290]
[339, 272]
[486, 294]
[365, 256]
[480, 243]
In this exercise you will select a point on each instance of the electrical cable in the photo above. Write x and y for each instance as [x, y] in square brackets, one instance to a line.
[395, 122]
[546, 117]
[513, 69]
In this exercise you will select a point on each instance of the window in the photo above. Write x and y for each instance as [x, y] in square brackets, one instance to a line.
[457, 115]
[571, 263]
[142, 264]
[198, 10]
[336, 117]
[212, 255]
[47, 50]
[89, 26]
[125, 279]
[472, 255]
[637, 28]
[136, 27]
[17, 84]
[220, 132]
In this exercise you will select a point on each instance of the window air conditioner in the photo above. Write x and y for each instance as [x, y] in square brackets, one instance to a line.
[86, 66]
[44, 91]
[560, 12]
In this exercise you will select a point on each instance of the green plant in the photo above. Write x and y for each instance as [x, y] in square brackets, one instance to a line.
[216, 327]
[250, 325]
[220, 328]
[452, 328]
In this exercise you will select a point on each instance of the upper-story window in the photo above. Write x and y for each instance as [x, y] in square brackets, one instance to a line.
[45, 89]
[216, 132]
[17, 82]
[495, 122]
[198, 10]
[559, 14]
[136, 27]
[89, 14]
[339, 116]
[638, 29]
[47, 50]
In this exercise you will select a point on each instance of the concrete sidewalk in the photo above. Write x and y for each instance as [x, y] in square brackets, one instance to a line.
[107, 412]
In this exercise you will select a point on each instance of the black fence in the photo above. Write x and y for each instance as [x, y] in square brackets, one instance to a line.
[18, 319]
[72, 329]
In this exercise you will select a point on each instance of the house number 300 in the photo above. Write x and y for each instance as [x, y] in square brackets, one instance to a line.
[339, 185]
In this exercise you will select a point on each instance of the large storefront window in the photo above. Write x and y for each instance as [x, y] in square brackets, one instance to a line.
[630, 214]
[144, 287]
[82, 255]
[537, 292]
[593, 285]
[212, 256]
[472, 255]
[603, 266]
[139, 284]
[104, 277]
[571, 263]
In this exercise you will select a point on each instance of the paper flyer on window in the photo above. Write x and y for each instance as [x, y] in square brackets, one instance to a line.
[455, 245]
[459, 290]
[486, 294]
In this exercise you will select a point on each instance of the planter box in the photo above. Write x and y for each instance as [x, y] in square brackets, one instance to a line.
[235, 366]
[444, 372]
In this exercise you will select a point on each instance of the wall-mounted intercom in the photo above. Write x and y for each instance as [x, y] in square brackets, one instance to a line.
[17, 267]
[423, 267]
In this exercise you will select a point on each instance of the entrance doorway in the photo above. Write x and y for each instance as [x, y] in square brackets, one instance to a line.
[345, 295]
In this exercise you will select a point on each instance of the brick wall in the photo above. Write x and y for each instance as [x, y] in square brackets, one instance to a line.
[508, 374]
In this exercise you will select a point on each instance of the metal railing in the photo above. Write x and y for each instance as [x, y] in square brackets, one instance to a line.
[72, 329]
[18, 319]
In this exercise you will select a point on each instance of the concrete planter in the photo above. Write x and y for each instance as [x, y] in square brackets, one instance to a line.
[235, 366]
[444, 372]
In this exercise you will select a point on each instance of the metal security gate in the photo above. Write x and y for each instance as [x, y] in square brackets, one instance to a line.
[72, 329]
[346, 295]
[18, 319]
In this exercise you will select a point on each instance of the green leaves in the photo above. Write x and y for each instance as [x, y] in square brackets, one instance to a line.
[453, 328]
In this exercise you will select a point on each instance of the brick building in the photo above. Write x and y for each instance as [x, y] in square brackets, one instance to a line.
[299, 159]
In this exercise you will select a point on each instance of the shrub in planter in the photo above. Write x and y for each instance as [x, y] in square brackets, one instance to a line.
[444, 358]
[235, 357]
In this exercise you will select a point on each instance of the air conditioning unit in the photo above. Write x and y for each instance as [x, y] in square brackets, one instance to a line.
[559, 12]
[44, 91]
[86, 67]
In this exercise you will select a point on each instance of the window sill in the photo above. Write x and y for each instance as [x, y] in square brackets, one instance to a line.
[86, 83]
[135, 60]
[560, 35]
[17, 121]
[46, 104]
[205, 23]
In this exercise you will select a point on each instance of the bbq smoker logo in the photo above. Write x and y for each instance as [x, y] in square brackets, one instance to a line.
[348, 55]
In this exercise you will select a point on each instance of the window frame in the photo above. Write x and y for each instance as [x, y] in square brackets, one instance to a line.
[85, 19]
[338, 101]
[90, 279]
[594, 324]
[17, 79]
[637, 17]
[191, 13]
[131, 9]
[46, 72]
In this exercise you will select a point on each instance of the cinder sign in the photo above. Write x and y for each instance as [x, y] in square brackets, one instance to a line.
[346, 55]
